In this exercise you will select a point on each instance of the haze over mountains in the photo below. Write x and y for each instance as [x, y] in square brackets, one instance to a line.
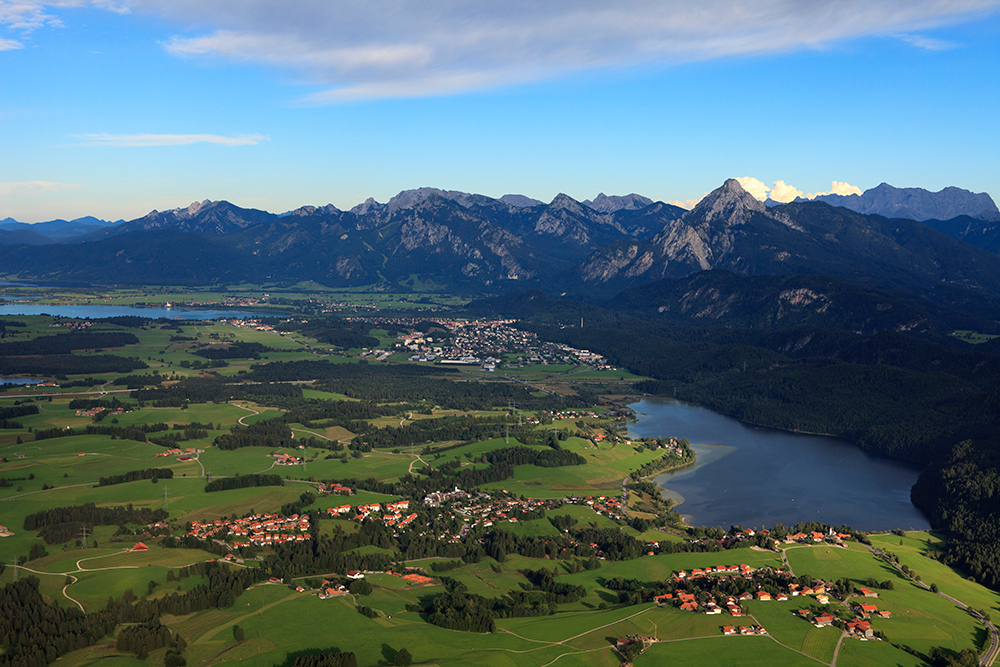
[599, 247]
[54, 231]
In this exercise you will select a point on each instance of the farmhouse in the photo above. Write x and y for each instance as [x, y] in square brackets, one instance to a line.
[823, 620]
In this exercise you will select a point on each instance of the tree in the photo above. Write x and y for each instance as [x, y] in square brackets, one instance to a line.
[239, 634]
[403, 657]
[174, 659]
[360, 587]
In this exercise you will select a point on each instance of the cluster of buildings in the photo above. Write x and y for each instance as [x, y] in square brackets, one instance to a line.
[256, 325]
[331, 588]
[283, 459]
[97, 410]
[488, 511]
[245, 301]
[753, 630]
[814, 537]
[859, 627]
[334, 489]
[257, 529]
[483, 342]
[73, 325]
[438, 498]
[689, 602]
[330, 305]
[732, 538]
[177, 451]
[609, 506]
[391, 516]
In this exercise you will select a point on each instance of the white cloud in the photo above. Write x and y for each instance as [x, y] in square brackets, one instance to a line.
[687, 203]
[32, 187]
[147, 140]
[783, 192]
[26, 16]
[362, 49]
[837, 188]
[754, 186]
[387, 48]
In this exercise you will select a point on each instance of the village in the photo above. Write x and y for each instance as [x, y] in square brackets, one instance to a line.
[392, 515]
[484, 343]
[690, 592]
[259, 530]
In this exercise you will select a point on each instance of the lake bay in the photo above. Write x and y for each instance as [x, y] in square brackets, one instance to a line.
[758, 477]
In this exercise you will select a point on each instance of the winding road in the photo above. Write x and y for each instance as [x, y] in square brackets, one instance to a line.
[990, 655]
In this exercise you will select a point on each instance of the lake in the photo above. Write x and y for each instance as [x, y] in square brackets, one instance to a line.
[97, 312]
[758, 477]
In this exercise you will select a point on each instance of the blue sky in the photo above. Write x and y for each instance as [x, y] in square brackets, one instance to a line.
[116, 107]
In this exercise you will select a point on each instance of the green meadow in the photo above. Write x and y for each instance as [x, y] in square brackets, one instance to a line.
[920, 619]
[278, 621]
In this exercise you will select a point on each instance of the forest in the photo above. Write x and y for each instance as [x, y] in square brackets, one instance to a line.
[929, 399]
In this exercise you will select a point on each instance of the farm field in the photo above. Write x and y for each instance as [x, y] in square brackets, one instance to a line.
[520, 512]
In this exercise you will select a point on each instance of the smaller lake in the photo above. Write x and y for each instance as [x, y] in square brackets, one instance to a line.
[97, 312]
[758, 477]
[19, 381]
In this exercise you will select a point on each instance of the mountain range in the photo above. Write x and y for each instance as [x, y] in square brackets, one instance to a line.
[597, 247]
[917, 203]
[53, 231]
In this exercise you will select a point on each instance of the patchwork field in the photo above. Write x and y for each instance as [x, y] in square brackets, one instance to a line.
[265, 621]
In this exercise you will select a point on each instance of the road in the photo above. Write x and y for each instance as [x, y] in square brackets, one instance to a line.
[990, 655]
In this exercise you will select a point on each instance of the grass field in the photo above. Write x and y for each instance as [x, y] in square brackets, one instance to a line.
[781, 623]
[920, 619]
[914, 551]
[279, 621]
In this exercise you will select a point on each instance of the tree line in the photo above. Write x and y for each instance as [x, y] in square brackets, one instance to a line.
[63, 523]
[136, 475]
[243, 482]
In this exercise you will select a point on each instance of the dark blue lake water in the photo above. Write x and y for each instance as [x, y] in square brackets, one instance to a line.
[758, 477]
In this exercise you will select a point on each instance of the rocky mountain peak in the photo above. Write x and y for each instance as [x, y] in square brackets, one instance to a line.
[367, 206]
[609, 204]
[918, 203]
[729, 202]
[304, 211]
[194, 208]
[565, 202]
[520, 201]
[411, 198]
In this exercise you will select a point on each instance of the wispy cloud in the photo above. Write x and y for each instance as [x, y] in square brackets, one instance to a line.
[26, 16]
[10, 44]
[32, 187]
[364, 49]
[148, 140]
[928, 43]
